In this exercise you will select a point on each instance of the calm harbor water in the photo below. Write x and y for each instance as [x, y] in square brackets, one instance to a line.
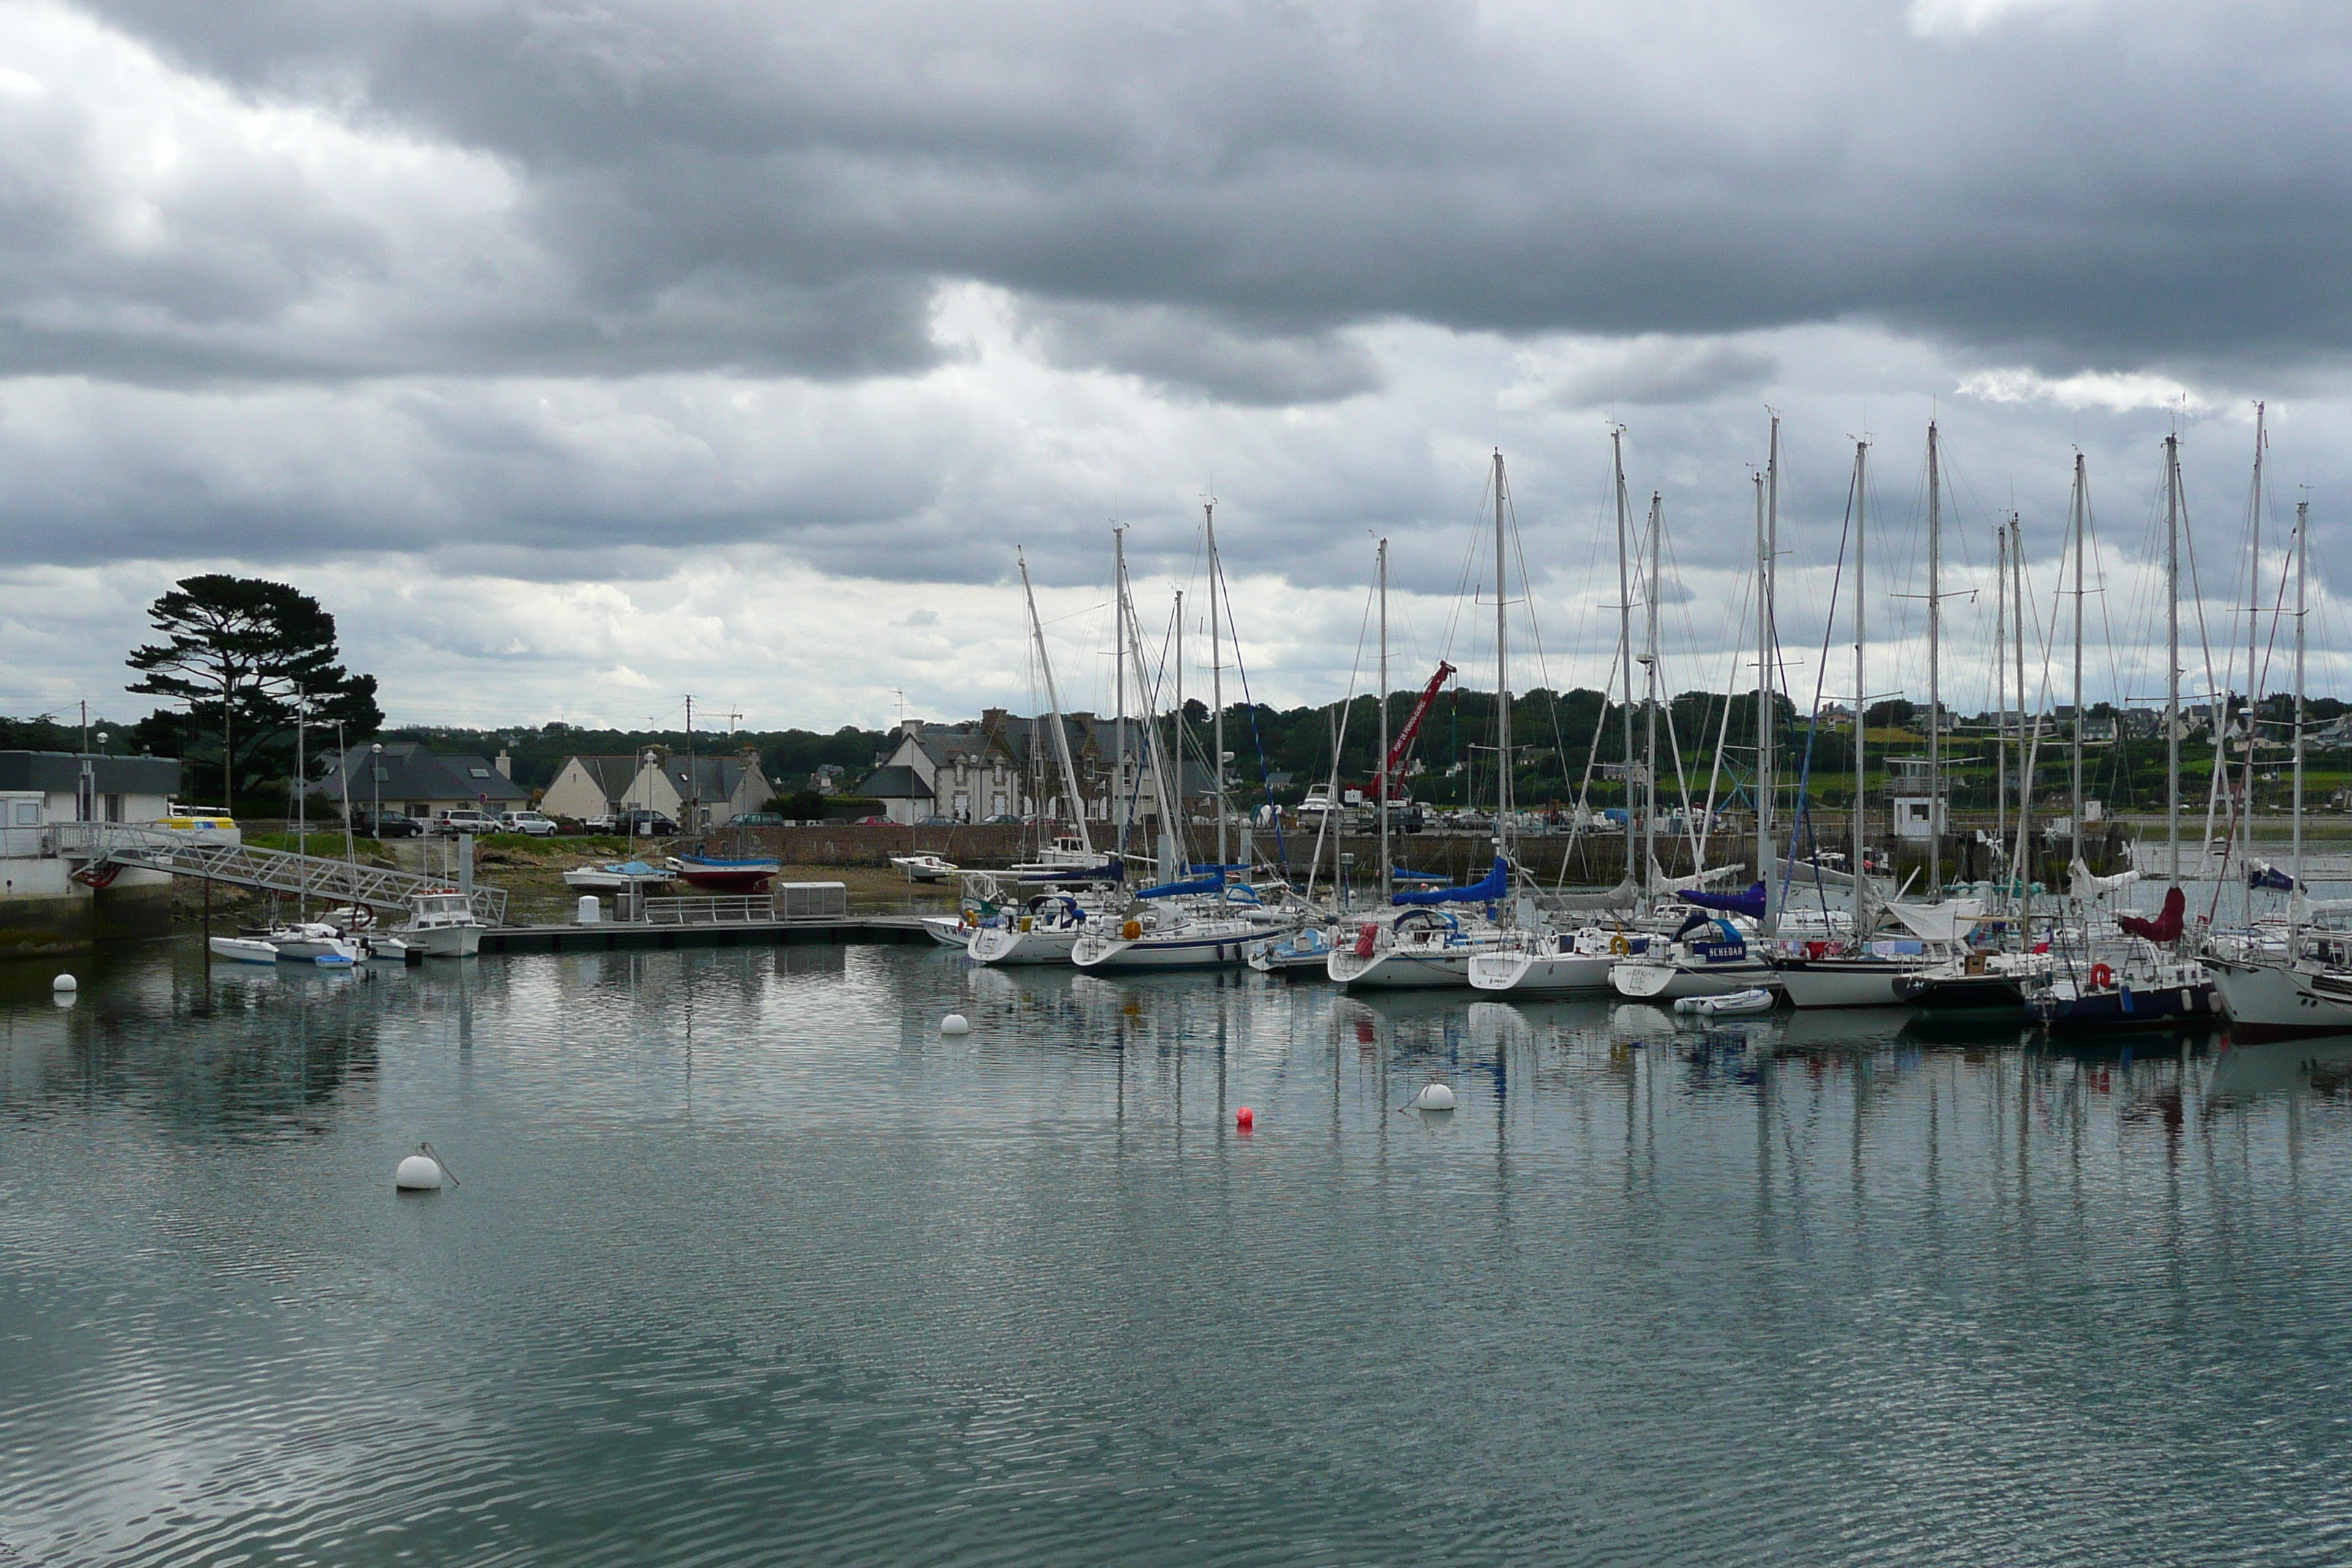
[751, 1265]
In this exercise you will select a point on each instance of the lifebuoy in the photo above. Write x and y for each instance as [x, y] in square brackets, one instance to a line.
[361, 917]
[1619, 945]
[2101, 976]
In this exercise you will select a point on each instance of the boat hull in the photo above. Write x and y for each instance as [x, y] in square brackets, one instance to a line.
[1545, 973]
[242, 948]
[1841, 982]
[1648, 982]
[949, 930]
[1400, 968]
[1973, 995]
[1038, 944]
[446, 941]
[2272, 1002]
[2135, 1007]
[727, 881]
[1114, 955]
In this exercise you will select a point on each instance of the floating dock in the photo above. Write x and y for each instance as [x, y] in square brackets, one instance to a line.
[620, 936]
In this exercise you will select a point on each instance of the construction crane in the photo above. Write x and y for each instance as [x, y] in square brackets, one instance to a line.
[1385, 786]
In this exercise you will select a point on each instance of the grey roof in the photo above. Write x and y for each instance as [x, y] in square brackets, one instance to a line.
[897, 782]
[412, 772]
[713, 778]
[613, 775]
[60, 772]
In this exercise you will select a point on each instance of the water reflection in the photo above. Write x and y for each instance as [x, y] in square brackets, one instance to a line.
[751, 1263]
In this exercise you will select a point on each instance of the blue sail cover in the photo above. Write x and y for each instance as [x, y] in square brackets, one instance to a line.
[2263, 877]
[1749, 903]
[1199, 870]
[1111, 870]
[1170, 890]
[1496, 884]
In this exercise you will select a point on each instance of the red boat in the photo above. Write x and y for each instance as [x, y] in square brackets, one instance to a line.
[749, 876]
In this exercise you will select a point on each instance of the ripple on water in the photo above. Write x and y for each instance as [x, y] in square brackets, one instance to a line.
[750, 1264]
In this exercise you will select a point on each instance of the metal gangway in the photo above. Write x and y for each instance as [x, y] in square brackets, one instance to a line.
[190, 854]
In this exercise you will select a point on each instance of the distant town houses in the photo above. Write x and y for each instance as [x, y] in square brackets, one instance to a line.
[1004, 765]
[720, 787]
[404, 776]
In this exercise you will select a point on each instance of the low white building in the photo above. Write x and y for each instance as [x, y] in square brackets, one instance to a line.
[591, 786]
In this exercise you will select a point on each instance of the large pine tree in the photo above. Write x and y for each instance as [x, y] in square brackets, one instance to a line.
[238, 654]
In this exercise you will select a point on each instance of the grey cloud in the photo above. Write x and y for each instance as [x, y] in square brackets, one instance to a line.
[1190, 351]
[1286, 171]
[1654, 371]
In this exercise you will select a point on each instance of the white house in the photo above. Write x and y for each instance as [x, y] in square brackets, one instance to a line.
[720, 788]
[591, 786]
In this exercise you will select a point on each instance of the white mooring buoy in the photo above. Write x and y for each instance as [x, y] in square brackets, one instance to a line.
[955, 1023]
[65, 983]
[1434, 1096]
[422, 1172]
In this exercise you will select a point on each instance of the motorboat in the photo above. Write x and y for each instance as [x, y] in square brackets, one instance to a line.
[1068, 858]
[617, 878]
[749, 875]
[924, 868]
[442, 923]
[242, 948]
[949, 930]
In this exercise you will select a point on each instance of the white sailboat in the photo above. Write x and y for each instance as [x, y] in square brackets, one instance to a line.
[1419, 944]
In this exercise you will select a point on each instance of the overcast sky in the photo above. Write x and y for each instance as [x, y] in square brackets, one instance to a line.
[582, 356]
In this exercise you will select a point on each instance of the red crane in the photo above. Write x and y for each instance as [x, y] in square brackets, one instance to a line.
[1385, 786]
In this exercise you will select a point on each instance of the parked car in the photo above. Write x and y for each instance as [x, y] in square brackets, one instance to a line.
[756, 819]
[1007, 820]
[642, 823]
[387, 824]
[450, 823]
[935, 822]
[530, 822]
[871, 821]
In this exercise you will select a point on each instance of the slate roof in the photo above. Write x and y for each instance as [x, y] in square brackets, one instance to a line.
[613, 775]
[60, 772]
[898, 783]
[412, 772]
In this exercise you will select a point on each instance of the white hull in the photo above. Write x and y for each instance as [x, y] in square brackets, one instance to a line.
[446, 941]
[1001, 944]
[1643, 981]
[949, 930]
[2272, 1002]
[1552, 973]
[242, 949]
[1177, 950]
[1401, 968]
[1842, 982]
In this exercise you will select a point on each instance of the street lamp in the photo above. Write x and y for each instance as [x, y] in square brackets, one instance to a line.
[645, 823]
[376, 774]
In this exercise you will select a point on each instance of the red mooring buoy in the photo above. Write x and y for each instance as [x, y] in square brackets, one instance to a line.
[1243, 1119]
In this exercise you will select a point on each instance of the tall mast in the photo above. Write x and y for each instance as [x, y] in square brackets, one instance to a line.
[1381, 785]
[2172, 655]
[1155, 756]
[2302, 564]
[2016, 649]
[2081, 508]
[1861, 689]
[1767, 506]
[693, 782]
[1650, 702]
[1120, 805]
[2016, 652]
[1181, 720]
[1935, 671]
[1076, 805]
[1625, 637]
[2253, 623]
[1216, 678]
[1502, 676]
[2001, 683]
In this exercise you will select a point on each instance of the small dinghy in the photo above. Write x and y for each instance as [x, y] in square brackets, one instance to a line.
[924, 868]
[1756, 1000]
[243, 950]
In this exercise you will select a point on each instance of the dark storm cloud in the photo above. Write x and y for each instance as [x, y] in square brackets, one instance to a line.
[773, 186]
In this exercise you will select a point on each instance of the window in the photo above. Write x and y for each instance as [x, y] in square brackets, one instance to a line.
[114, 808]
[29, 814]
[480, 773]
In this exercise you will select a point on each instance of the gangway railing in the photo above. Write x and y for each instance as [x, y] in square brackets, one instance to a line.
[187, 854]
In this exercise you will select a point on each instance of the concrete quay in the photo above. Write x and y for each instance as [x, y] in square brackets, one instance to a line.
[625, 936]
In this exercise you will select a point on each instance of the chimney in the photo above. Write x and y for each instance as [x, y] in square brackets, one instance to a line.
[504, 765]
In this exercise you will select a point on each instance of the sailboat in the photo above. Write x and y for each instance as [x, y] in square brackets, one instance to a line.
[1422, 943]
[1206, 920]
[2308, 991]
[1854, 973]
[2150, 981]
[1707, 956]
[1545, 960]
[1049, 929]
